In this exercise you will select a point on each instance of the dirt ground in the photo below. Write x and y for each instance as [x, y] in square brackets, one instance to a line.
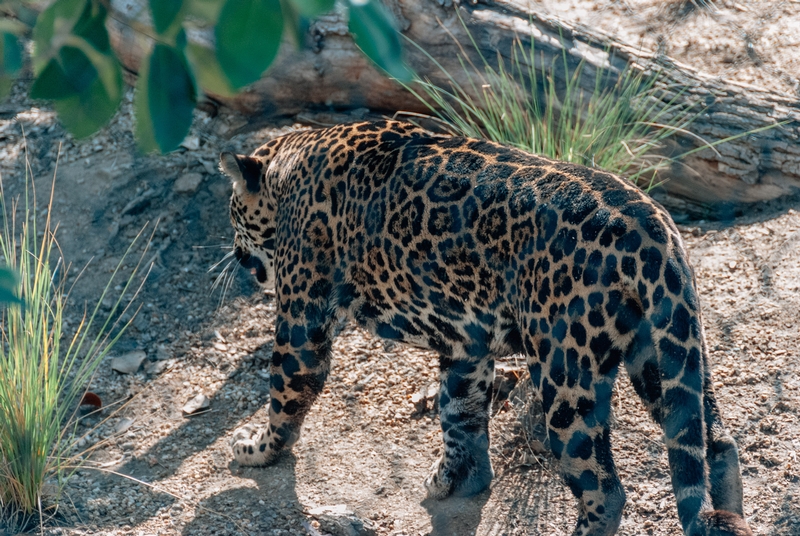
[750, 42]
[366, 447]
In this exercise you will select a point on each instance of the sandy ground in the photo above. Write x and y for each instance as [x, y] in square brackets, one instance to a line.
[366, 447]
[752, 42]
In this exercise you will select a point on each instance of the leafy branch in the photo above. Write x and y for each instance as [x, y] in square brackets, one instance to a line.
[75, 66]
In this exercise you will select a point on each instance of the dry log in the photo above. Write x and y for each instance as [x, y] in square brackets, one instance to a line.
[331, 74]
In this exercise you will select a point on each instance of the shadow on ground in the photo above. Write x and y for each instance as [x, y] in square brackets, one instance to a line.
[277, 504]
[456, 516]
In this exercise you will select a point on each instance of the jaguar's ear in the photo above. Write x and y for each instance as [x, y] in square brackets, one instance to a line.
[242, 170]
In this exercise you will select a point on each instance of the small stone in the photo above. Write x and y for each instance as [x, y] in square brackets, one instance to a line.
[337, 509]
[197, 404]
[162, 354]
[154, 368]
[340, 520]
[191, 142]
[128, 363]
[420, 399]
[123, 424]
[263, 374]
[188, 183]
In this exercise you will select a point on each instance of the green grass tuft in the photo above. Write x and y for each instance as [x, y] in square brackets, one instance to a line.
[43, 372]
[615, 127]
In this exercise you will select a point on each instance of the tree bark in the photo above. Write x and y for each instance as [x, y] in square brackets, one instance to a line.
[330, 74]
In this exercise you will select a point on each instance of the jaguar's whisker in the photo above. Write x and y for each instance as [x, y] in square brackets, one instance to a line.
[227, 256]
[228, 282]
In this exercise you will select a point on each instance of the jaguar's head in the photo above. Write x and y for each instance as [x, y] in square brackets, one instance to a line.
[252, 212]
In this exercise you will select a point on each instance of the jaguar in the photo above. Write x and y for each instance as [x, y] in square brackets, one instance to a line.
[476, 251]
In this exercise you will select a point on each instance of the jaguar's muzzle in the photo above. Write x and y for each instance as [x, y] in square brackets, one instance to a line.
[253, 263]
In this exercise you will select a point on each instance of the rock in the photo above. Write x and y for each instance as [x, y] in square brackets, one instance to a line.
[123, 424]
[141, 323]
[197, 404]
[128, 363]
[219, 189]
[156, 367]
[139, 203]
[340, 520]
[191, 142]
[188, 183]
[263, 374]
[162, 353]
[420, 399]
[310, 529]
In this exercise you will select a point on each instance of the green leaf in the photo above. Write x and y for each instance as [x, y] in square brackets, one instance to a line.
[312, 8]
[66, 75]
[6, 83]
[105, 65]
[11, 54]
[52, 26]
[375, 34]
[248, 36]
[141, 106]
[8, 286]
[10, 62]
[6, 296]
[75, 66]
[12, 26]
[52, 83]
[171, 96]
[208, 72]
[205, 10]
[165, 12]
[64, 20]
[87, 112]
[92, 27]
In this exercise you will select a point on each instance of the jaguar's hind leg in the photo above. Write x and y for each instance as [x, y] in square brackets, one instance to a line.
[300, 365]
[465, 398]
[580, 437]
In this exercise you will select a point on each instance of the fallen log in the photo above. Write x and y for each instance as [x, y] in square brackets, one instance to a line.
[330, 74]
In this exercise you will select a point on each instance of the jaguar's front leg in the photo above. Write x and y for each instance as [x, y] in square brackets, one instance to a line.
[300, 365]
[465, 398]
